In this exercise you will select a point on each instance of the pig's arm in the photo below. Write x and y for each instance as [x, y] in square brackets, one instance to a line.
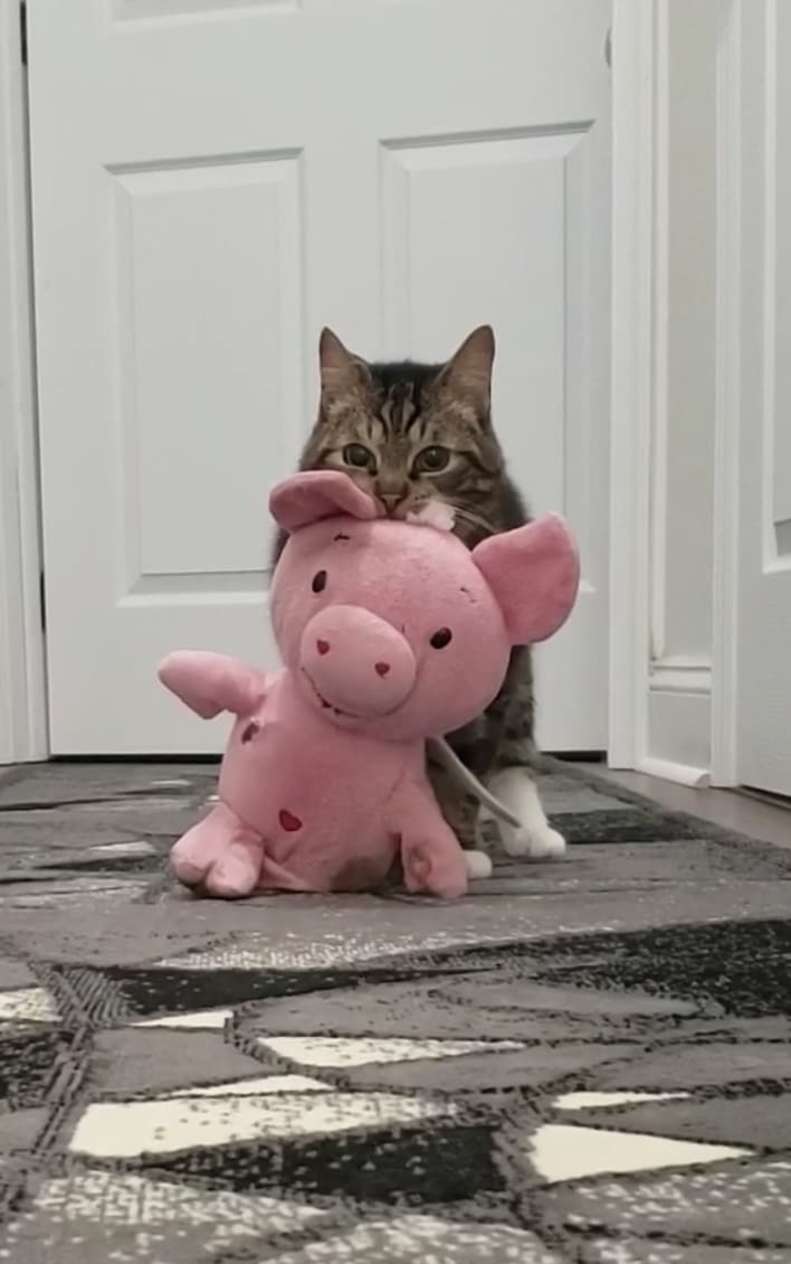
[211, 683]
[431, 855]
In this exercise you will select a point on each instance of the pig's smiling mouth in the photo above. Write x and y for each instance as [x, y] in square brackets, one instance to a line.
[329, 706]
[326, 705]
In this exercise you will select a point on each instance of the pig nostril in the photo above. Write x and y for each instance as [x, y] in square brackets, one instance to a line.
[382, 668]
[323, 647]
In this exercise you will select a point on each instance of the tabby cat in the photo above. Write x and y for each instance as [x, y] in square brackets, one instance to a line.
[414, 433]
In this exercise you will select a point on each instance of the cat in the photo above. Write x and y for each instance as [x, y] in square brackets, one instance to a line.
[410, 434]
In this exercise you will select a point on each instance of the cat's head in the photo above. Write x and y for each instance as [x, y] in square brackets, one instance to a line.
[411, 434]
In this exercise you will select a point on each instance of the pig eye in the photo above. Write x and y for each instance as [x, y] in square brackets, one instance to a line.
[319, 581]
[441, 638]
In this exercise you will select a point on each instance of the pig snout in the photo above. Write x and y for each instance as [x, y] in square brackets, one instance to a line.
[356, 662]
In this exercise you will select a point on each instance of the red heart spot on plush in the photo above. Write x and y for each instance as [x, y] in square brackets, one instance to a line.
[323, 647]
[289, 821]
[382, 668]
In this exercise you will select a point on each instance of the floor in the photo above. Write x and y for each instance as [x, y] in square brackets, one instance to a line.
[583, 1062]
[733, 810]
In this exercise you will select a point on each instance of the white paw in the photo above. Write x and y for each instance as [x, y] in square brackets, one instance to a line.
[536, 843]
[478, 864]
[535, 838]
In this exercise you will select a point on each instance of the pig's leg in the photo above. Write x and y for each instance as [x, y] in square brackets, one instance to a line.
[431, 855]
[219, 856]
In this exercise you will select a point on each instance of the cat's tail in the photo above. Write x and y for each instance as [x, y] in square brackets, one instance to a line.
[445, 755]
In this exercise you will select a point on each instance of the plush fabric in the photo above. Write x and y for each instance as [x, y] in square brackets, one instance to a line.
[390, 633]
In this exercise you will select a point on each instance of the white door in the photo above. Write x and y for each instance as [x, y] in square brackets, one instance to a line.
[215, 180]
[764, 601]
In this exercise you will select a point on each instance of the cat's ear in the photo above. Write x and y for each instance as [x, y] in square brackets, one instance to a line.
[340, 370]
[534, 573]
[468, 372]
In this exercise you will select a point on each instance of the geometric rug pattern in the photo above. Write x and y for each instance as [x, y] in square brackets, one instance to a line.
[585, 1060]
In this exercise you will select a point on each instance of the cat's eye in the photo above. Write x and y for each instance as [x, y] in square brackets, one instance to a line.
[432, 460]
[359, 457]
[441, 638]
[319, 581]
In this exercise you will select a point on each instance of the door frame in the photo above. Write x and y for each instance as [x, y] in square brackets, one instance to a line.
[727, 413]
[633, 378]
[639, 398]
[23, 701]
[636, 179]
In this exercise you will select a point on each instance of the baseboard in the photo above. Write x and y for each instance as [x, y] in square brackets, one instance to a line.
[667, 770]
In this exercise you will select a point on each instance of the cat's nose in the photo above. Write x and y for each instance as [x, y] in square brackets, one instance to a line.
[390, 500]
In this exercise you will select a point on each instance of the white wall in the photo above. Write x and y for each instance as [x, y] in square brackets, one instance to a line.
[678, 719]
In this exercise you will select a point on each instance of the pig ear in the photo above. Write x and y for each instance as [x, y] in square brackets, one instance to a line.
[317, 494]
[534, 573]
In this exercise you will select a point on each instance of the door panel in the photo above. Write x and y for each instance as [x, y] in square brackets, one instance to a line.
[190, 370]
[217, 182]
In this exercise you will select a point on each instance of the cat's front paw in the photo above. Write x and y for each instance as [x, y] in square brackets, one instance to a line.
[534, 838]
[478, 864]
[533, 842]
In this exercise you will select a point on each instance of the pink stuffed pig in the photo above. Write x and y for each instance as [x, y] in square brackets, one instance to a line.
[391, 632]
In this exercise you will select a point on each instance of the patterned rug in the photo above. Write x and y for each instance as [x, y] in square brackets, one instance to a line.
[582, 1061]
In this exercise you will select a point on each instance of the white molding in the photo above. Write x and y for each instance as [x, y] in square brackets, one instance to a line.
[728, 402]
[633, 48]
[660, 333]
[670, 771]
[774, 560]
[660, 704]
[680, 675]
[23, 724]
[770, 560]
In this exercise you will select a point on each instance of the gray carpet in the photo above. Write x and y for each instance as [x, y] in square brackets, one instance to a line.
[582, 1061]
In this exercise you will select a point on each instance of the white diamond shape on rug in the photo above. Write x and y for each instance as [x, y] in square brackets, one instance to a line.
[598, 1101]
[339, 1051]
[250, 1088]
[125, 1130]
[200, 1019]
[119, 1216]
[415, 1239]
[139, 848]
[323, 949]
[564, 1152]
[28, 1005]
